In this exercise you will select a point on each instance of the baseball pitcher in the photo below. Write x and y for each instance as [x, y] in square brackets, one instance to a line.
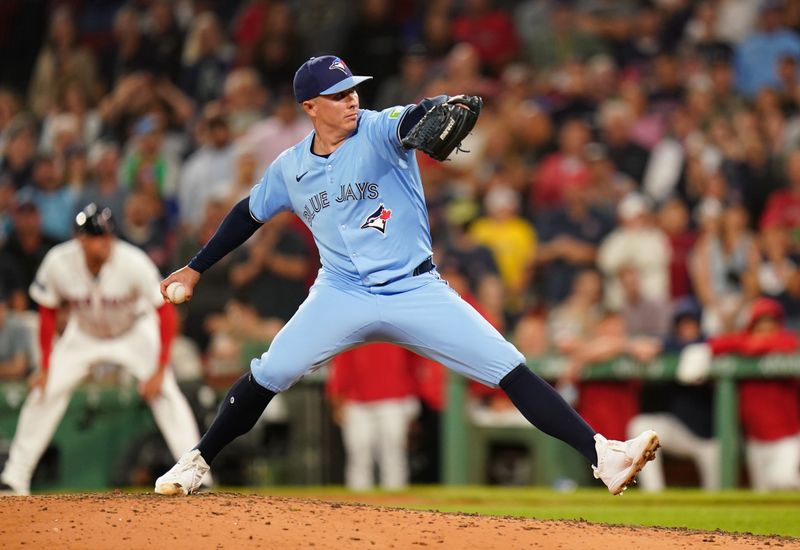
[355, 182]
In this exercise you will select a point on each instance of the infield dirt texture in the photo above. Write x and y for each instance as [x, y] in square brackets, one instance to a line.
[247, 521]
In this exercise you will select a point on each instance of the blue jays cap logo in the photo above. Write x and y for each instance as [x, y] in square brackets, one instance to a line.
[377, 220]
[339, 64]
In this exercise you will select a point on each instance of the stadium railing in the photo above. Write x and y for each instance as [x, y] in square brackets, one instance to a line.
[725, 371]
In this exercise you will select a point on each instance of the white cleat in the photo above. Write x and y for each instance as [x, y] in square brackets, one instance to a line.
[186, 477]
[618, 462]
[11, 489]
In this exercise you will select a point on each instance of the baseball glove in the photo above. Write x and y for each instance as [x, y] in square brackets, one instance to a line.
[444, 127]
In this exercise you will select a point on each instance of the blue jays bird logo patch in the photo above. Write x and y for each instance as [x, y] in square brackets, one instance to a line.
[339, 64]
[377, 220]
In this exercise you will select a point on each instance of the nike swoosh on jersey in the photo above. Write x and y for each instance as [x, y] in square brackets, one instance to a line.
[301, 176]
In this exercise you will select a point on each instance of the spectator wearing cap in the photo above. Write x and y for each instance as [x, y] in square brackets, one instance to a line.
[207, 171]
[54, 201]
[639, 243]
[681, 413]
[769, 409]
[16, 344]
[758, 55]
[23, 251]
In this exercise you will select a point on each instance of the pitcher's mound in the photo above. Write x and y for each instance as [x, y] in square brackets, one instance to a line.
[225, 520]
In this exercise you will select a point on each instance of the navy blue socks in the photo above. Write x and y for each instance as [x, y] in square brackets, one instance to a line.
[237, 415]
[547, 410]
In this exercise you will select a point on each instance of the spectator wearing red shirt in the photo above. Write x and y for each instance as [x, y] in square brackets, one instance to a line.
[769, 409]
[673, 219]
[372, 393]
[562, 169]
[783, 205]
[491, 31]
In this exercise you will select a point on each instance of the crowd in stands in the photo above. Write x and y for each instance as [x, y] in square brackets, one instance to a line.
[636, 162]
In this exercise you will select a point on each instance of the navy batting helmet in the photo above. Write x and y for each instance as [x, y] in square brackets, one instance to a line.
[94, 221]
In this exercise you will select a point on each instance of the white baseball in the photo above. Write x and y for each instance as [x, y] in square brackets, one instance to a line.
[176, 292]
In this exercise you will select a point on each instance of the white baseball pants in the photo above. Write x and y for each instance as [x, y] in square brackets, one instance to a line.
[377, 432]
[73, 354]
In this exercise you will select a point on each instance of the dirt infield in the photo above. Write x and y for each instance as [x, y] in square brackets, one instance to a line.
[247, 521]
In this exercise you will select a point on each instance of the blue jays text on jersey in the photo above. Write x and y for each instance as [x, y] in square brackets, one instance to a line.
[351, 191]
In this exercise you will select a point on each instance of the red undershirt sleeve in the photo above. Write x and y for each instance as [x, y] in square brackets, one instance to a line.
[47, 329]
[166, 316]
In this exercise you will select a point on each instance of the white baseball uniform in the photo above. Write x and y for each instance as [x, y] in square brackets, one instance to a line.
[112, 319]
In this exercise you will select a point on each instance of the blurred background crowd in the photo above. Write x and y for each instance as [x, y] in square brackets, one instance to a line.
[635, 171]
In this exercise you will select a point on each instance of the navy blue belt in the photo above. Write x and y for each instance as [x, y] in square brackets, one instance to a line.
[422, 268]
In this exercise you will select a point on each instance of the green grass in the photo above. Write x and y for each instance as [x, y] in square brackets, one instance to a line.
[735, 511]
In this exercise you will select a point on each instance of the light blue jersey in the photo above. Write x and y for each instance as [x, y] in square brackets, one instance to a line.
[365, 207]
[364, 204]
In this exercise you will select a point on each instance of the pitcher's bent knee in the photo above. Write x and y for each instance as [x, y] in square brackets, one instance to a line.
[274, 374]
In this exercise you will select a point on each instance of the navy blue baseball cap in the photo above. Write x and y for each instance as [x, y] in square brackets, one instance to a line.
[94, 221]
[323, 75]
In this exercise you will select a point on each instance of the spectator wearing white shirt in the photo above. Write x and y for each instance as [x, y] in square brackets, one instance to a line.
[636, 243]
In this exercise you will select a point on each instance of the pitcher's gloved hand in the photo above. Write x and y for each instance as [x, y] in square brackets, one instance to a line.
[444, 127]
